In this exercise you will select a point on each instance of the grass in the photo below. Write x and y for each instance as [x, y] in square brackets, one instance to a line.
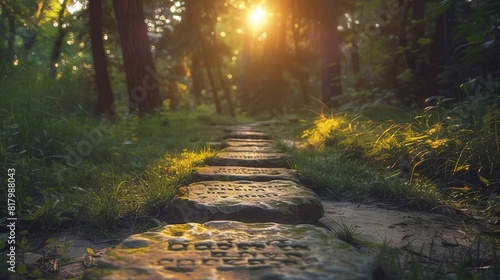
[415, 157]
[409, 160]
[479, 260]
[134, 169]
[73, 169]
[344, 232]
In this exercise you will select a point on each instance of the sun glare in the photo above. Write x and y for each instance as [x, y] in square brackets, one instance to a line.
[257, 17]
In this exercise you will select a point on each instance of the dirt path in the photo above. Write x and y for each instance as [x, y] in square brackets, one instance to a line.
[434, 240]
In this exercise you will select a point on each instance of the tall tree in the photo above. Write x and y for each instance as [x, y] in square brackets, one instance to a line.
[6, 11]
[61, 33]
[104, 92]
[330, 51]
[142, 78]
[193, 21]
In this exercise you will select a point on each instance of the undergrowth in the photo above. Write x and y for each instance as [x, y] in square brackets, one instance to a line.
[449, 149]
[75, 169]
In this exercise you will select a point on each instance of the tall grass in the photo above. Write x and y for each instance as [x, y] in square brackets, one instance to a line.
[75, 169]
[454, 146]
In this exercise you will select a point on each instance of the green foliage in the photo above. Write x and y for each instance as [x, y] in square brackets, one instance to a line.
[345, 232]
[72, 168]
[453, 145]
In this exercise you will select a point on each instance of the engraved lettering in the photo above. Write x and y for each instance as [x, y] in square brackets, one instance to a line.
[247, 246]
[235, 262]
[256, 261]
[224, 245]
[209, 262]
[203, 246]
[270, 255]
[178, 246]
[218, 254]
[166, 261]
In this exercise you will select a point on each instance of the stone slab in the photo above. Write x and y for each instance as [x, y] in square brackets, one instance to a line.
[245, 201]
[235, 173]
[241, 128]
[232, 250]
[274, 160]
[251, 149]
[241, 134]
[232, 142]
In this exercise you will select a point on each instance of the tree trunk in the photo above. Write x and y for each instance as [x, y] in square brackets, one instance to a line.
[208, 66]
[225, 89]
[279, 54]
[222, 79]
[246, 83]
[330, 53]
[142, 79]
[61, 32]
[301, 75]
[419, 60]
[104, 93]
[196, 77]
[12, 32]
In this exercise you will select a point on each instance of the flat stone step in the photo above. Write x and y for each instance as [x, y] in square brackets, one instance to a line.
[233, 142]
[251, 149]
[236, 173]
[241, 128]
[233, 250]
[245, 201]
[242, 134]
[273, 160]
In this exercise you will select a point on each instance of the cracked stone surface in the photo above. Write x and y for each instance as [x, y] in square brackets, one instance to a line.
[236, 173]
[251, 159]
[246, 201]
[233, 250]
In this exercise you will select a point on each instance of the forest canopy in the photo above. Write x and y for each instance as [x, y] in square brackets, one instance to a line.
[251, 55]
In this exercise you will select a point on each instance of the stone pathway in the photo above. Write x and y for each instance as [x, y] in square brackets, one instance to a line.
[246, 217]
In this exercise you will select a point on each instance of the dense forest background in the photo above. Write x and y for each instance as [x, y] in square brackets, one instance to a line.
[251, 56]
[91, 90]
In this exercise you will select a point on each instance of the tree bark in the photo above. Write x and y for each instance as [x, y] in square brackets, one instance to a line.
[222, 79]
[61, 32]
[208, 67]
[12, 31]
[105, 98]
[142, 79]
[301, 75]
[196, 77]
[330, 53]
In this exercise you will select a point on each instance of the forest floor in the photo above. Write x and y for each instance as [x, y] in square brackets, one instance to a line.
[434, 238]
[431, 237]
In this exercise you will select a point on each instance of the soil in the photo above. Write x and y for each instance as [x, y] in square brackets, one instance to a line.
[431, 238]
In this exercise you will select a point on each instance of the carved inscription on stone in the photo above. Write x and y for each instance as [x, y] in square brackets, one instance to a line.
[274, 160]
[247, 201]
[251, 149]
[233, 250]
[236, 173]
[230, 253]
[233, 191]
[246, 143]
[251, 156]
[224, 170]
[247, 135]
